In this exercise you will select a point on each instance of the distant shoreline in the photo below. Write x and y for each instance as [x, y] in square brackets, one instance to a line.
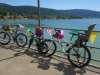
[42, 19]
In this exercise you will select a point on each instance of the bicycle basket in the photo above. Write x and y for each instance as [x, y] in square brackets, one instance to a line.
[5, 28]
[59, 35]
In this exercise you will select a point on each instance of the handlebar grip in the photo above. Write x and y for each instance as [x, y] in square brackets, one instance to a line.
[94, 24]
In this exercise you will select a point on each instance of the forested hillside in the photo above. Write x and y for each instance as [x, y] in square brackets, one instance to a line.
[31, 12]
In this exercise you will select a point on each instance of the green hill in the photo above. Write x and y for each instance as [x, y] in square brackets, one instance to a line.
[32, 11]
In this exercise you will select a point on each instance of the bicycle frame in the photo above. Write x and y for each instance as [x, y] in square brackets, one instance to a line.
[60, 42]
[32, 39]
[13, 31]
[63, 49]
[13, 34]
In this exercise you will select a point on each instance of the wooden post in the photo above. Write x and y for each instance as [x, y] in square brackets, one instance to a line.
[39, 13]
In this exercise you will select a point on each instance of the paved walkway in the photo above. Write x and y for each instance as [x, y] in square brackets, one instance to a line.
[16, 61]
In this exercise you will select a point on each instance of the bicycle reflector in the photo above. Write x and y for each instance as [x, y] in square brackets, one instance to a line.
[38, 32]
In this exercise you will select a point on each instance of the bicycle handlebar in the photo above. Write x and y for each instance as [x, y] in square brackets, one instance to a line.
[93, 24]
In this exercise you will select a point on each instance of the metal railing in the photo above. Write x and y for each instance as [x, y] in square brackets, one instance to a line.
[91, 47]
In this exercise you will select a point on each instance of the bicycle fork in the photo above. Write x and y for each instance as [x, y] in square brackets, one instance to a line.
[4, 36]
[30, 42]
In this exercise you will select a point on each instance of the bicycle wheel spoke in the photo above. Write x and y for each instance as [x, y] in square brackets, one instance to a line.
[21, 39]
[79, 57]
[49, 49]
[4, 38]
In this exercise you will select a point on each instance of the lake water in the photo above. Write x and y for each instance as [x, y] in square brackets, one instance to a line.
[70, 24]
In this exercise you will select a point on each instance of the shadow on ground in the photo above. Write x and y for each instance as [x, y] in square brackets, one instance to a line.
[45, 63]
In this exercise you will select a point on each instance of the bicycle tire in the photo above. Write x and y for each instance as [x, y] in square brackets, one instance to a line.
[20, 41]
[4, 38]
[74, 62]
[46, 50]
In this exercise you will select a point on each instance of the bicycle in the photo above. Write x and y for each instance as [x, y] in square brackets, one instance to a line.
[34, 40]
[78, 54]
[10, 33]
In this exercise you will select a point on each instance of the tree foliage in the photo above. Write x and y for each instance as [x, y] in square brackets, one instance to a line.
[31, 12]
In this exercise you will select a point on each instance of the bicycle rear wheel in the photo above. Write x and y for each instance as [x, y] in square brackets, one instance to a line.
[21, 39]
[79, 57]
[47, 48]
[4, 38]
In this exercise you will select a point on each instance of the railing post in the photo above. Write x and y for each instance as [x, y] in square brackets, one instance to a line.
[39, 13]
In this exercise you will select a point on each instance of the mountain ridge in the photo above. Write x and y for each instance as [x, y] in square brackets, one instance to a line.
[50, 12]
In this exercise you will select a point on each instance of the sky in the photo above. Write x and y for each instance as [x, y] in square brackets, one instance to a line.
[58, 4]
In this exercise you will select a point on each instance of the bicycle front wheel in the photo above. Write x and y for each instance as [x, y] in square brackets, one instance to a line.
[79, 57]
[47, 48]
[4, 38]
[21, 39]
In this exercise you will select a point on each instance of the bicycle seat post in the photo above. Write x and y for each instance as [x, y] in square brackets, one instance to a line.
[16, 29]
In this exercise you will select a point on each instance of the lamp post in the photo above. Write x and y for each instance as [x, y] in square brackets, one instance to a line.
[39, 13]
